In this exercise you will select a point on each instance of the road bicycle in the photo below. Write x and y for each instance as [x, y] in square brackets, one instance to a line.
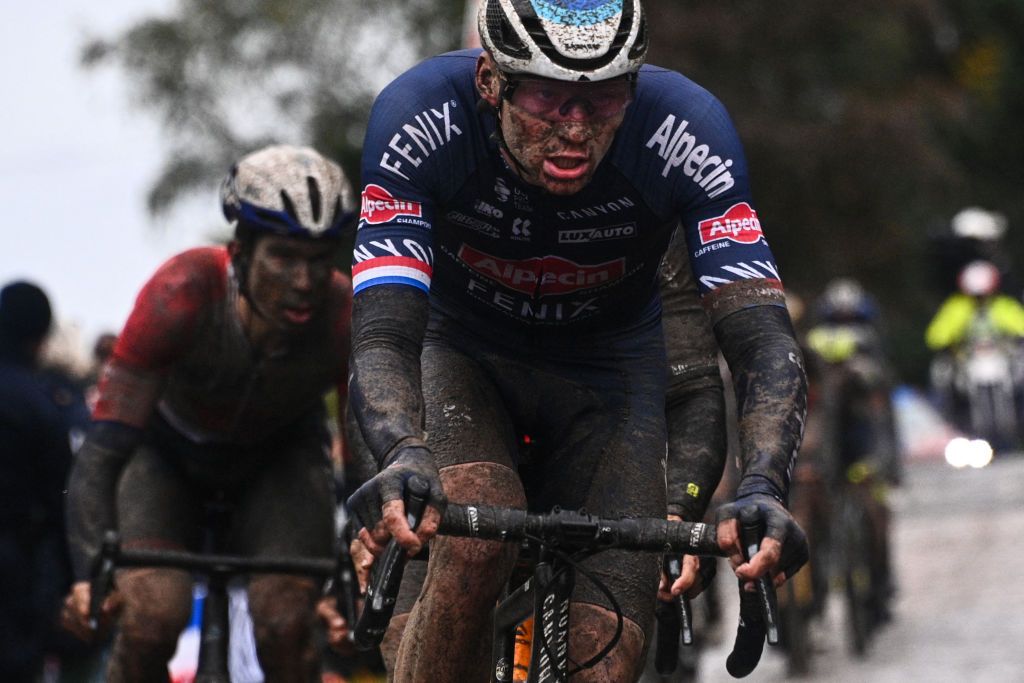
[564, 538]
[856, 511]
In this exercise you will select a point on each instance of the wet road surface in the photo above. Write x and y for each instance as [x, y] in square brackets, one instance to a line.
[959, 615]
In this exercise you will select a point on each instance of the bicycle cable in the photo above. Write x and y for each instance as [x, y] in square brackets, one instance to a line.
[574, 562]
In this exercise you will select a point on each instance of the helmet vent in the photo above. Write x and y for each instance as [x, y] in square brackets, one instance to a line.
[503, 35]
[640, 46]
[315, 200]
[289, 206]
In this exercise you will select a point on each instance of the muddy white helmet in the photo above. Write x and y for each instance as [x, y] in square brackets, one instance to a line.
[289, 191]
[567, 40]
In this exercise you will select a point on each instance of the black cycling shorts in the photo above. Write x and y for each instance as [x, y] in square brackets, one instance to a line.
[594, 409]
[279, 497]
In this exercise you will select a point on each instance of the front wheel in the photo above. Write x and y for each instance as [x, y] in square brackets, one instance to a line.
[854, 544]
[994, 415]
[795, 606]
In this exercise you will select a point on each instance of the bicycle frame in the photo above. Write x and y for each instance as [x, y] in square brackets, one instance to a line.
[545, 596]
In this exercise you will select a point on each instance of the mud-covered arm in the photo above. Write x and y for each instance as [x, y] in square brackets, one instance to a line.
[127, 397]
[771, 394]
[361, 465]
[696, 446]
[92, 485]
[388, 324]
[694, 403]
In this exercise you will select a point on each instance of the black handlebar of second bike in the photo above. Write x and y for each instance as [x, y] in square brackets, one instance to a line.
[344, 583]
[103, 577]
[113, 556]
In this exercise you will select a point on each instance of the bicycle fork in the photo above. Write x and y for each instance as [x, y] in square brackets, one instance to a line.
[213, 650]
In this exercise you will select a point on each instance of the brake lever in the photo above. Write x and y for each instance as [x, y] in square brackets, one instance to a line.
[668, 615]
[758, 610]
[673, 567]
[345, 585]
[751, 533]
[103, 577]
[382, 592]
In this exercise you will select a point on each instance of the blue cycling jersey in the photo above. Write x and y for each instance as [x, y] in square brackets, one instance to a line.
[444, 212]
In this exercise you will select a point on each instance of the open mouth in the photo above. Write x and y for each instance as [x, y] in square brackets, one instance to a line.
[566, 167]
[298, 315]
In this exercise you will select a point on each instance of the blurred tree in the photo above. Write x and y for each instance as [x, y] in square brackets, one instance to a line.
[228, 77]
[987, 61]
[838, 107]
[866, 124]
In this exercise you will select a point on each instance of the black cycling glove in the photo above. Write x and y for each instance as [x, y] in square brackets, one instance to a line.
[389, 484]
[778, 524]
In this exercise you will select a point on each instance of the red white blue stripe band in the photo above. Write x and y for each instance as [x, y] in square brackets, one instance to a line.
[386, 270]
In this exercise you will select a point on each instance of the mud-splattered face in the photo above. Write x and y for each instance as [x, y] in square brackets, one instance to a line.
[560, 155]
[288, 279]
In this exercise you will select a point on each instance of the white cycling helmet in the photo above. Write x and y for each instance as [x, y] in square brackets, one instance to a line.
[979, 224]
[289, 191]
[567, 40]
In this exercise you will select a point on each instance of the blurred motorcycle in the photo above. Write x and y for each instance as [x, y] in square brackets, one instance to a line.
[978, 371]
[987, 375]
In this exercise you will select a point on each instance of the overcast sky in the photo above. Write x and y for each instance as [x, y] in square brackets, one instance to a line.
[77, 159]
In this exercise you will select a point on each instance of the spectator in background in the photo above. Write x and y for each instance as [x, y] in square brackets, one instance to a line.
[101, 351]
[64, 371]
[35, 456]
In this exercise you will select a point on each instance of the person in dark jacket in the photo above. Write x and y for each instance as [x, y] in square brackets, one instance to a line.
[35, 456]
